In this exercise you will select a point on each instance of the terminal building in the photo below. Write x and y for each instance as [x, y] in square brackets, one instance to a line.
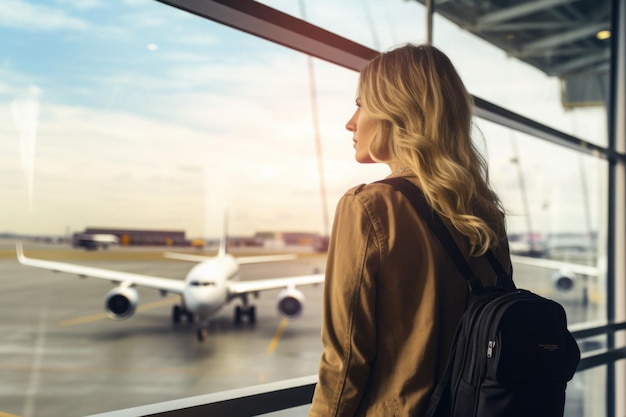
[102, 237]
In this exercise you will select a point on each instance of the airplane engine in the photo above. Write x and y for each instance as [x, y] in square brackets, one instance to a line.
[290, 302]
[564, 280]
[120, 303]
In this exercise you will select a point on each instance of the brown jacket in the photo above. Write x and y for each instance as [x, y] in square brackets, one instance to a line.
[392, 300]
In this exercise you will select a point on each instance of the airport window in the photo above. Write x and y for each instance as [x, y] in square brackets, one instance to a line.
[129, 120]
[556, 202]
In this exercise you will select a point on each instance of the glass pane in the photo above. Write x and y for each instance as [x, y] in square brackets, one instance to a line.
[555, 200]
[586, 394]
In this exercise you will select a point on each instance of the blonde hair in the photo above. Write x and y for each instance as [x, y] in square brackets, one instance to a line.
[424, 115]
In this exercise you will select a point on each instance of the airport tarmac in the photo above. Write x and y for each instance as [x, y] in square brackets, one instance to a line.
[61, 357]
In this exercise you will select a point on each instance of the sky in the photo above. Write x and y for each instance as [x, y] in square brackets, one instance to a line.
[132, 114]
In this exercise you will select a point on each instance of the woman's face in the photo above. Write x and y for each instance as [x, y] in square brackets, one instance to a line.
[363, 129]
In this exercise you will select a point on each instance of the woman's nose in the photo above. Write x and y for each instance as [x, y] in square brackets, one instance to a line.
[351, 125]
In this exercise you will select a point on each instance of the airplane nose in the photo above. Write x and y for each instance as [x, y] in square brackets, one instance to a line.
[204, 301]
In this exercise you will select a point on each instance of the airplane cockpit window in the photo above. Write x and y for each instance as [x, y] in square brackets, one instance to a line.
[203, 284]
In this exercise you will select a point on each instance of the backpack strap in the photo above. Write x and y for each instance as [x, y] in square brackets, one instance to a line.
[430, 217]
[504, 279]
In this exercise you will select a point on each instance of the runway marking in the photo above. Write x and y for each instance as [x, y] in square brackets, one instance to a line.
[75, 370]
[102, 316]
[2, 414]
[82, 320]
[36, 367]
[279, 332]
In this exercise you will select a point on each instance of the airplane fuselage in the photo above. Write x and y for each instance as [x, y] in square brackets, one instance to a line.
[206, 290]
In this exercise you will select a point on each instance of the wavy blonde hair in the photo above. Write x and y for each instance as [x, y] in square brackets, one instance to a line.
[424, 115]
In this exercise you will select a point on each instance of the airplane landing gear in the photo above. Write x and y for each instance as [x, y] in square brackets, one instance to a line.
[201, 333]
[245, 310]
[241, 311]
[178, 312]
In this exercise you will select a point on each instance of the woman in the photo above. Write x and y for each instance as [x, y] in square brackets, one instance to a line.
[392, 296]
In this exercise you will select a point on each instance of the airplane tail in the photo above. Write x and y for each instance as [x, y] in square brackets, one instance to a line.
[201, 258]
[224, 238]
[19, 251]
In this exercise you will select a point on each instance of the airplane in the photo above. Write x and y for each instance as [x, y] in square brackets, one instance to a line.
[590, 279]
[567, 273]
[207, 287]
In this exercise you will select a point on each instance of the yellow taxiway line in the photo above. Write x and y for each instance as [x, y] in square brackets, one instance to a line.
[279, 332]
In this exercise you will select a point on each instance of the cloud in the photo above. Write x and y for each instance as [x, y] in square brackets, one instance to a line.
[19, 14]
[82, 4]
[117, 169]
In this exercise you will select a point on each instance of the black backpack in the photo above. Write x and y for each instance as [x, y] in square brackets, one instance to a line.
[512, 355]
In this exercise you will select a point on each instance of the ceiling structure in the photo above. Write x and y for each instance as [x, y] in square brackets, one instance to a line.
[562, 38]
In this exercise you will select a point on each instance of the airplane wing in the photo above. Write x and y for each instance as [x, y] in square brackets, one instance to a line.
[130, 279]
[240, 260]
[243, 287]
[553, 264]
[186, 257]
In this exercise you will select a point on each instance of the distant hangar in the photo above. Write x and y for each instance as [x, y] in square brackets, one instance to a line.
[94, 238]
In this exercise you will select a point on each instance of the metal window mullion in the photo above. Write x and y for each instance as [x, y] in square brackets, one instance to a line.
[600, 359]
[273, 25]
[240, 402]
[507, 118]
[616, 265]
